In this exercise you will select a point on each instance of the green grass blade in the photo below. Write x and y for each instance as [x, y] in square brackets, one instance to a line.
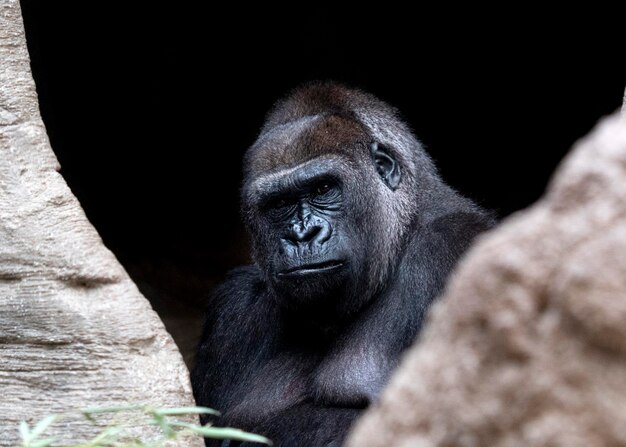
[109, 435]
[42, 425]
[24, 431]
[231, 433]
[185, 410]
[222, 433]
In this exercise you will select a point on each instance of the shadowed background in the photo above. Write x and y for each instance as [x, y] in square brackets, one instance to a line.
[150, 106]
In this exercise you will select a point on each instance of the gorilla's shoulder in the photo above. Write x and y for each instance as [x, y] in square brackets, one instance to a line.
[466, 222]
[455, 231]
[250, 274]
[240, 288]
[234, 303]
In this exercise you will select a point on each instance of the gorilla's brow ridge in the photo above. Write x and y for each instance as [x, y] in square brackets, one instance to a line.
[265, 183]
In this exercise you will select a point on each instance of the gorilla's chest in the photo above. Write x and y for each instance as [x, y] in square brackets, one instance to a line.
[341, 379]
[349, 379]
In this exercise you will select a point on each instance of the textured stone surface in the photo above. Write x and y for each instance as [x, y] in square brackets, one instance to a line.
[528, 345]
[74, 330]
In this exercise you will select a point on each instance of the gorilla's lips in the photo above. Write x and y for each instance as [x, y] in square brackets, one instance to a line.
[314, 268]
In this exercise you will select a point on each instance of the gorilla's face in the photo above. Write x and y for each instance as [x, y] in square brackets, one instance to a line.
[304, 231]
[311, 217]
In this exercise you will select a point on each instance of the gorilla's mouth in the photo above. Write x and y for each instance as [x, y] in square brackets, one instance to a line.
[307, 269]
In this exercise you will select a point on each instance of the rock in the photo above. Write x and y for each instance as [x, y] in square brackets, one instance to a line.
[527, 347]
[74, 329]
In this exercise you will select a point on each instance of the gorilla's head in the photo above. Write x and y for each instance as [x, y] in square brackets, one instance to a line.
[332, 186]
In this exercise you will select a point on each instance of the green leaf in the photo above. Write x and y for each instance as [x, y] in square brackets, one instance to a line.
[230, 433]
[164, 424]
[233, 434]
[42, 425]
[24, 431]
[186, 410]
[108, 435]
[88, 417]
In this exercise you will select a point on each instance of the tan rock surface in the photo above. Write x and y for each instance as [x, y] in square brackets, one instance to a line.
[74, 329]
[528, 345]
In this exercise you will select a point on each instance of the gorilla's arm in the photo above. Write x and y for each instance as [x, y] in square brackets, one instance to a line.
[235, 340]
[431, 256]
[307, 424]
[238, 372]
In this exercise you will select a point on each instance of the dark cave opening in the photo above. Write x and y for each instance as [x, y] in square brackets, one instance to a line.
[150, 107]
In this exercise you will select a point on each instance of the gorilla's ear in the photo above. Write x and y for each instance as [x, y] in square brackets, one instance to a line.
[386, 165]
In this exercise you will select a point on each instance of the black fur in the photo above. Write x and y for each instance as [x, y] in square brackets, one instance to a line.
[354, 235]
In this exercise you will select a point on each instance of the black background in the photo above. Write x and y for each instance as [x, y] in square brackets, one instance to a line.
[150, 106]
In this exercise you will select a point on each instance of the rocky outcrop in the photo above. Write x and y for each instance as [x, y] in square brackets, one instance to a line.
[74, 330]
[527, 347]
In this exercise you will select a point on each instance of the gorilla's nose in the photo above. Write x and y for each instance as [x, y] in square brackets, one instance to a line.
[309, 231]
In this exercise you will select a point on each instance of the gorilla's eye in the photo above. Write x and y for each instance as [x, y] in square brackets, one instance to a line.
[280, 203]
[278, 208]
[323, 188]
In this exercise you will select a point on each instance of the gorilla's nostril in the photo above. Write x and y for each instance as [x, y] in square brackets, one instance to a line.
[323, 234]
[313, 232]
[306, 232]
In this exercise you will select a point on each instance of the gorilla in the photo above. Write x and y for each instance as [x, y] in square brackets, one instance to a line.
[353, 235]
